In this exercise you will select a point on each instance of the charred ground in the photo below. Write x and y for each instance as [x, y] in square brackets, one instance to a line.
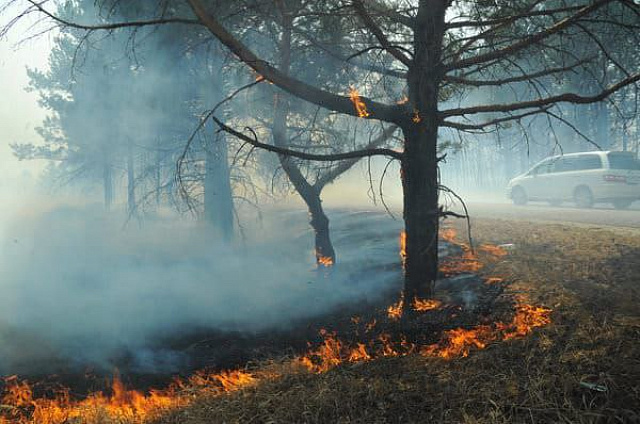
[583, 367]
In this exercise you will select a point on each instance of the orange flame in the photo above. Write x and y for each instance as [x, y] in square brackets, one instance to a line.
[496, 251]
[360, 106]
[122, 405]
[19, 406]
[394, 312]
[325, 261]
[422, 305]
[403, 246]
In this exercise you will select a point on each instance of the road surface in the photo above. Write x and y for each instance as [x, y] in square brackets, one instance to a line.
[598, 216]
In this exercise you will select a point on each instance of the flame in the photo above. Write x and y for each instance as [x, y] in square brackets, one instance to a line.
[122, 405]
[426, 304]
[494, 280]
[359, 353]
[527, 317]
[469, 261]
[361, 108]
[19, 406]
[370, 326]
[394, 312]
[449, 234]
[325, 261]
[403, 246]
[496, 251]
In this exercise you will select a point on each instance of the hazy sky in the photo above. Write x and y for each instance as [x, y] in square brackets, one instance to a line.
[19, 110]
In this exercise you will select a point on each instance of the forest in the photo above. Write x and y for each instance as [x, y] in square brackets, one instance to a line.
[297, 211]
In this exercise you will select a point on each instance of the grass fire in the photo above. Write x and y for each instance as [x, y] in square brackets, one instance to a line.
[377, 338]
[319, 211]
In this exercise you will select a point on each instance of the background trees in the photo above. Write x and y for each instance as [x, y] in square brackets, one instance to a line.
[456, 68]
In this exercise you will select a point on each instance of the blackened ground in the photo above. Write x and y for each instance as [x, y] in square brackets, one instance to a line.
[467, 301]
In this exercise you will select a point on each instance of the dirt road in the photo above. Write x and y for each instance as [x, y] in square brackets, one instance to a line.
[599, 216]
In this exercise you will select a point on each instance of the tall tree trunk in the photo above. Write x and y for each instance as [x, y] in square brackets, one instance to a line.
[158, 170]
[218, 198]
[107, 184]
[131, 183]
[602, 130]
[420, 163]
[420, 186]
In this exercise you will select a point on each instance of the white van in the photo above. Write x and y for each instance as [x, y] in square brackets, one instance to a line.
[584, 178]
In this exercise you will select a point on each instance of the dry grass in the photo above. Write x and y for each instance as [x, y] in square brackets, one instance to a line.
[588, 276]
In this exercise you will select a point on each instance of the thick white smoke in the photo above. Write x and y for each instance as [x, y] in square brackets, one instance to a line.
[78, 285]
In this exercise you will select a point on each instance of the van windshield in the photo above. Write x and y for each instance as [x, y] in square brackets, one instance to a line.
[623, 161]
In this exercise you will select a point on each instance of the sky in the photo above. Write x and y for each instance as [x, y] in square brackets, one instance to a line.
[19, 110]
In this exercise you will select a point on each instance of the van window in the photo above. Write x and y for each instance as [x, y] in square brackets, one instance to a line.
[623, 160]
[578, 163]
[544, 168]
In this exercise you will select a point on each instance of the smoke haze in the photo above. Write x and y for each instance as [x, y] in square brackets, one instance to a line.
[78, 286]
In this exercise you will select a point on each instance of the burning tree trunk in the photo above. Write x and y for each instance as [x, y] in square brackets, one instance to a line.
[325, 254]
[420, 189]
[420, 162]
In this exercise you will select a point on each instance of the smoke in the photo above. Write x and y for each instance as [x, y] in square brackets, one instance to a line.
[80, 288]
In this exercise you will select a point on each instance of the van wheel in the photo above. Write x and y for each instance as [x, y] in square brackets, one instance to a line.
[622, 203]
[583, 197]
[519, 196]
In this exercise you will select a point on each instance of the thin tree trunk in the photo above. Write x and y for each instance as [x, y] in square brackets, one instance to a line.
[131, 184]
[158, 175]
[218, 200]
[107, 184]
[325, 254]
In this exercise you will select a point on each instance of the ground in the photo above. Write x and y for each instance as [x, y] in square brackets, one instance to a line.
[584, 367]
[601, 215]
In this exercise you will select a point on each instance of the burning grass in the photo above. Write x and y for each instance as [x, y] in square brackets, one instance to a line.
[556, 375]
[378, 375]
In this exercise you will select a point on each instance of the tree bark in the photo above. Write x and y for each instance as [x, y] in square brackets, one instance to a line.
[325, 254]
[420, 164]
[131, 183]
[218, 198]
[107, 184]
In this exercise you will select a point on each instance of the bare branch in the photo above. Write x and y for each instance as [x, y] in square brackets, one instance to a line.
[345, 165]
[342, 104]
[377, 32]
[562, 98]
[392, 14]
[494, 122]
[515, 79]
[528, 41]
[510, 19]
[307, 156]
[111, 26]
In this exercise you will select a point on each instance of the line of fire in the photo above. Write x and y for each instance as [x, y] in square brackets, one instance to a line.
[319, 211]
